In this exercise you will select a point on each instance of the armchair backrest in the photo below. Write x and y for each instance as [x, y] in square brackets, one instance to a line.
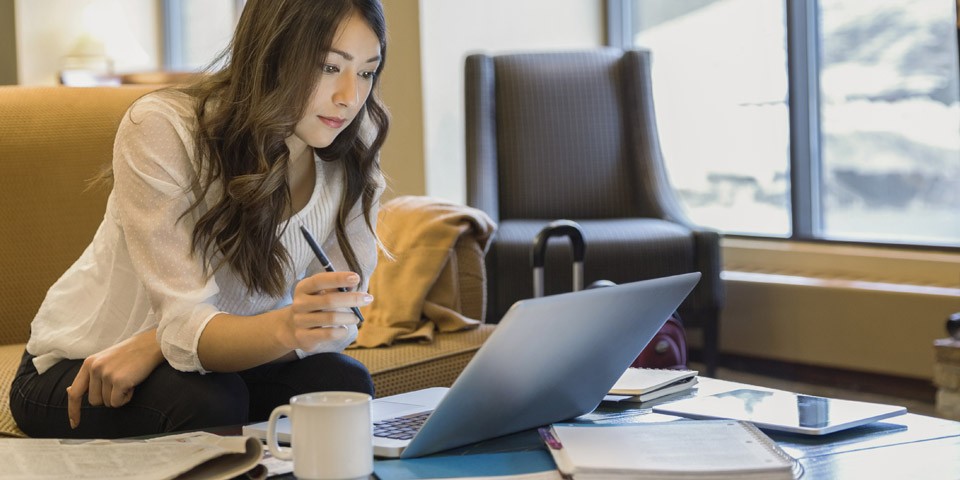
[563, 134]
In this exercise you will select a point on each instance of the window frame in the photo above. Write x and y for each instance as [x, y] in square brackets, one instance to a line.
[172, 28]
[803, 87]
[173, 44]
[803, 90]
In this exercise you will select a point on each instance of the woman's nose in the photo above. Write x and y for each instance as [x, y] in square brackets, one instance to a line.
[348, 91]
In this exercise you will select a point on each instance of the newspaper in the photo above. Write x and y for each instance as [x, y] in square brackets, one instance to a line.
[196, 455]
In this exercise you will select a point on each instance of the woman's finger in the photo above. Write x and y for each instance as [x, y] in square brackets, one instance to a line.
[75, 393]
[330, 300]
[308, 339]
[120, 396]
[106, 392]
[325, 319]
[95, 390]
[327, 281]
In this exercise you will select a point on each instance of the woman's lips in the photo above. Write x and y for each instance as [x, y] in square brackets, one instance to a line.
[332, 122]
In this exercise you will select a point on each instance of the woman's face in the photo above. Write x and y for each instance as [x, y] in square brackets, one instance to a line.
[344, 85]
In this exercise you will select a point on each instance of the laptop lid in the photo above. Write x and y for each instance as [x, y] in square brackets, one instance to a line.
[550, 359]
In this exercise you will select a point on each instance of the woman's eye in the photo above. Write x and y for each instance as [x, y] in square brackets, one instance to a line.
[368, 75]
[331, 69]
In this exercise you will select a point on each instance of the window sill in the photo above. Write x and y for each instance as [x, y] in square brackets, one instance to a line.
[879, 267]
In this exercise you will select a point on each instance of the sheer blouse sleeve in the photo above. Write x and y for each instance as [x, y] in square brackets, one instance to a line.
[153, 178]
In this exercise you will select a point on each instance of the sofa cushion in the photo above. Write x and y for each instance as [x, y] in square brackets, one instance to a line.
[10, 356]
[405, 367]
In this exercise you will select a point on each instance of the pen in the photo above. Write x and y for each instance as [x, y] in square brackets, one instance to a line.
[546, 433]
[325, 262]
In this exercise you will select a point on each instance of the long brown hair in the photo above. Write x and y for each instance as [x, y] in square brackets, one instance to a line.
[249, 107]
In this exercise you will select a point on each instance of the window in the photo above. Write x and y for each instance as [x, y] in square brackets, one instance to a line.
[829, 119]
[195, 32]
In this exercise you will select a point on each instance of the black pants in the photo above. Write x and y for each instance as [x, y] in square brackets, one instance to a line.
[170, 400]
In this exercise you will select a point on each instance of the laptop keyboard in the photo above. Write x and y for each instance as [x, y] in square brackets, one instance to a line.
[400, 428]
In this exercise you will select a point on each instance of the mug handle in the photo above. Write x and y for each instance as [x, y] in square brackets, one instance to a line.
[283, 453]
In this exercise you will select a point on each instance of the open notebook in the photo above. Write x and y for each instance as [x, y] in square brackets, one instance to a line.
[541, 365]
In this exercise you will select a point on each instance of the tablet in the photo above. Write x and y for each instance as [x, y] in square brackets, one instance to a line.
[783, 411]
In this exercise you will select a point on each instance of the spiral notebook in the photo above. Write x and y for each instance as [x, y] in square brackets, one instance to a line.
[707, 449]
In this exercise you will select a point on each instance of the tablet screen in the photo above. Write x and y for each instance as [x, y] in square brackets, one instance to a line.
[784, 411]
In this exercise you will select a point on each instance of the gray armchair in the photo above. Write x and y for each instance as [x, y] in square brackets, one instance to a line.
[573, 135]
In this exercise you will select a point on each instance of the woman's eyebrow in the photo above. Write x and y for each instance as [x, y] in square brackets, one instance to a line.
[349, 57]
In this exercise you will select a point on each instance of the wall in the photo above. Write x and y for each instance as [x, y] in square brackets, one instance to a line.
[47, 30]
[450, 30]
[870, 309]
[402, 157]
[8, 44]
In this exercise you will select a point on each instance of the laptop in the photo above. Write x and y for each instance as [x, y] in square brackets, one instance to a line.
[783, 411]
[549, 359]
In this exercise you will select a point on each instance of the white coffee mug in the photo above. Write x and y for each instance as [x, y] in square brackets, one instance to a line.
[331, 436]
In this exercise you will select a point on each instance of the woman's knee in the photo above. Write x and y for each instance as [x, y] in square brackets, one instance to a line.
[195, 401]
[167, 400]
[339, 372]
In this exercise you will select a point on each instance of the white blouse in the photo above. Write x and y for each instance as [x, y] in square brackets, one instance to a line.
[140, 271]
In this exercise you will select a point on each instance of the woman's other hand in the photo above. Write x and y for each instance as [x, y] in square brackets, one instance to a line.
[109, 376]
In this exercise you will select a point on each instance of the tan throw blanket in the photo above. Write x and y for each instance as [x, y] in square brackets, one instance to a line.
[436, 280]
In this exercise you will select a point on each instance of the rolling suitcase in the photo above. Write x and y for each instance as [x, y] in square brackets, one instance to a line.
[667, 349]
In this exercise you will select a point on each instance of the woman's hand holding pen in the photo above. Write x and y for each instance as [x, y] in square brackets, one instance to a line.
[319, 307]
[317, 314]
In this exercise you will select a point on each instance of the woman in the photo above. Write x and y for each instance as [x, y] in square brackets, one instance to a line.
[198, 303]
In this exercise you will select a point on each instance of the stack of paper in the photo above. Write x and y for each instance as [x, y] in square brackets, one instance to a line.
[188, 455]
[643, 384]
[708, 449]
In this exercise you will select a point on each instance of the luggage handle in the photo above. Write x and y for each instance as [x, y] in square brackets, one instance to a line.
[556, 228]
